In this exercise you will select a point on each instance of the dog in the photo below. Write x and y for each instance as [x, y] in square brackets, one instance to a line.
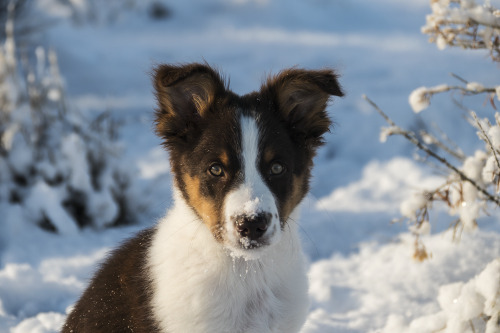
[227, 256]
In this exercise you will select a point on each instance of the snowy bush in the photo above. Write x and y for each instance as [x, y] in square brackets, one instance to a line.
[62, 169]
[472, 184]
[466, 24]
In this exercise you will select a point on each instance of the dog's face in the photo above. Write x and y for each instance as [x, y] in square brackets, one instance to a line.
[242, 163]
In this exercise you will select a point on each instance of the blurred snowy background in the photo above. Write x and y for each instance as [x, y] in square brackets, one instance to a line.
[80, 169]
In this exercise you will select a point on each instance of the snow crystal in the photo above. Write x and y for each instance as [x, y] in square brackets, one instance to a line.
[250, 207]
[419, 99]
[248, 243]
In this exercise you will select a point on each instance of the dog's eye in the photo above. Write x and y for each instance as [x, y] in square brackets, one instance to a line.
[277, 169]
[216, 170]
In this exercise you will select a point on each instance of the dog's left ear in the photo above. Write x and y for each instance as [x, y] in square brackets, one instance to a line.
[302, 97]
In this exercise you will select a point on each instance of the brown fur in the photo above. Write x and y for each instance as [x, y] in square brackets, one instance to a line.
[296, 195]
[202, 205]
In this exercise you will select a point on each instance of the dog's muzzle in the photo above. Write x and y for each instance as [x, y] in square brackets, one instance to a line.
[251, 229]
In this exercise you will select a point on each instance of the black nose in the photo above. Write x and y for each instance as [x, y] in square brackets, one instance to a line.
[252, 227]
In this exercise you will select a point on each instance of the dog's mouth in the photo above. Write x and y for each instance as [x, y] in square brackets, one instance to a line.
[249, 244]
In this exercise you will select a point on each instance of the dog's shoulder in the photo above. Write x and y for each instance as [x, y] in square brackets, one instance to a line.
[121, 280]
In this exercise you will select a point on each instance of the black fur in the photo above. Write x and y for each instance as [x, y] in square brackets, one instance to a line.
[117, 299]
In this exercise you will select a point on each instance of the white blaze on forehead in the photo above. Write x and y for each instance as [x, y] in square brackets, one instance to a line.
[258, 196]
[252, 196]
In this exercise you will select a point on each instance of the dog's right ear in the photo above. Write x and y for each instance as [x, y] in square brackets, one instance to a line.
[184, 94]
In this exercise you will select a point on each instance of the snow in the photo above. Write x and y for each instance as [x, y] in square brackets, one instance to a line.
[474, 86]
[461, 303]
[494, 134]
[382, 187]
[419, 99]
[388, 131]
[362, 275]
[46, 201]
[379, 282]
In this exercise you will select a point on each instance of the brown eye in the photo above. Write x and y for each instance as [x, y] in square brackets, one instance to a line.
[277, 169]
[216, 170]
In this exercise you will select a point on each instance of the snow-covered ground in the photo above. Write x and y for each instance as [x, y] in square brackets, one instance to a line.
[363, 277]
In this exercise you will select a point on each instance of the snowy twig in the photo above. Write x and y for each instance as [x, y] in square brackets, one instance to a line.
[486, 138]
[420, 98]
[413, 139]
[431, 139]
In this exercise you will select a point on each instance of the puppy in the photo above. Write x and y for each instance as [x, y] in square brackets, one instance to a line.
[227, 256]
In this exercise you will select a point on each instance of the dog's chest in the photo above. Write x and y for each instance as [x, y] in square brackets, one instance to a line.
[199, 288]
[237, 298]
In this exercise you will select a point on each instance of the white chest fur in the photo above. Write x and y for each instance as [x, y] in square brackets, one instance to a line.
[199, 287]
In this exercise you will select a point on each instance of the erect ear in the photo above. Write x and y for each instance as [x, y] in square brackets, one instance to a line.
[184, 94]
[302, 97]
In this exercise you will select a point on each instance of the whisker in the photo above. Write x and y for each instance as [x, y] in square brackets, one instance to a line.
[304, 231]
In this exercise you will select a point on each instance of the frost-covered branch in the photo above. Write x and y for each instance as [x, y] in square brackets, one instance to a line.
[466, 24]
[420, 98]
[410, 136]
[465, 191]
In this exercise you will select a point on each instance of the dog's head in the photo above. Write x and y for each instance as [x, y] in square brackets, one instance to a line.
[242, 162]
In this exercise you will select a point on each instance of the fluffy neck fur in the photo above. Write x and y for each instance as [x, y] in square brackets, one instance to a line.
[199, 287]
